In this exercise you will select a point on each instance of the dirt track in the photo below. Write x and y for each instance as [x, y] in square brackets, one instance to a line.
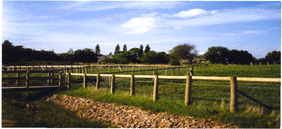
[131, 117]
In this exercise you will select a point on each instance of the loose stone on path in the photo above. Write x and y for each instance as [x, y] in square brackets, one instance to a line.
[131, 117]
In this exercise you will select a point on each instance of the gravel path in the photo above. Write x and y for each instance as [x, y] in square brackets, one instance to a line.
[132, 117]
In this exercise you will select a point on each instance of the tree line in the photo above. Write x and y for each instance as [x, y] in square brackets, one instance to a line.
[216, 54]
[223, 55]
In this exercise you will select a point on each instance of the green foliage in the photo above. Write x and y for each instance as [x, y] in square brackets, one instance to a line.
[117, 50]
[147, 48]
[152, 57]
[124, 48]
[123, 58]
[273, 56]
[162, 58]
[97, 49]
[183, 51]
[149, 58]
[85, 55]
[217, 54]
[239, 57]
[14, 54]
[174, 62]
[140, 53]
[107, 60]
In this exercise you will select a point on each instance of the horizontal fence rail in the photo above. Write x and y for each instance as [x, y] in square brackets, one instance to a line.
[49, 78]
[188, 78]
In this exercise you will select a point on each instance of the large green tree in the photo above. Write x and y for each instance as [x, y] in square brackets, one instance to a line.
[240, 57]
[117, 50]
[149, 57]
[135, 52]
[97, 49]
[183, 51]
[85, 55]
[140, 51]
[217, 54]
[147, 48]
[124, 48]
[273, 56]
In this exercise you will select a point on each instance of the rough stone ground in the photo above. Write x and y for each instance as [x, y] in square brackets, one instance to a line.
[131, 117]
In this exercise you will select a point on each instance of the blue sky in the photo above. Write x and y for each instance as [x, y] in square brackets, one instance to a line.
[253, 26]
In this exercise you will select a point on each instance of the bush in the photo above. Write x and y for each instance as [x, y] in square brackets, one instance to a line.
[174, 62]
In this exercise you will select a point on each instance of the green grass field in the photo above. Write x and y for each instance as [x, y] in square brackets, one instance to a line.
[209, 98]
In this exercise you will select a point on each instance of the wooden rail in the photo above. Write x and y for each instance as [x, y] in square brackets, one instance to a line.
[84, 68]
[188, 78]
[49, 79]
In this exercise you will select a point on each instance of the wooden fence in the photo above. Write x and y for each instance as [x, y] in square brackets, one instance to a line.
[188, 78]
[69, 72]
[49, 79]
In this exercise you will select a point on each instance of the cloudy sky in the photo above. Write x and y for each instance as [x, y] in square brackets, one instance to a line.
[45, 25]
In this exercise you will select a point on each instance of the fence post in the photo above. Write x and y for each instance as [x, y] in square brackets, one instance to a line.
[52, 74]
[27, 80]
[191, 71]
[84, 81]
[233, 97]
[132, 85]
[86, 70]
[98, 81]
[60, 78]
[188, 90]
[157, 71]
[18, 79]
[71, 69]
[113, 84]
[20, 67]
[49, 79]
[155, 93]
[69, 80]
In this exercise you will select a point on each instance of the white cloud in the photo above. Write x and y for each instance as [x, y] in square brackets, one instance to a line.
[194, 13]
[98, 6]
[228, 16]
[251, 32]
[139, 25]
